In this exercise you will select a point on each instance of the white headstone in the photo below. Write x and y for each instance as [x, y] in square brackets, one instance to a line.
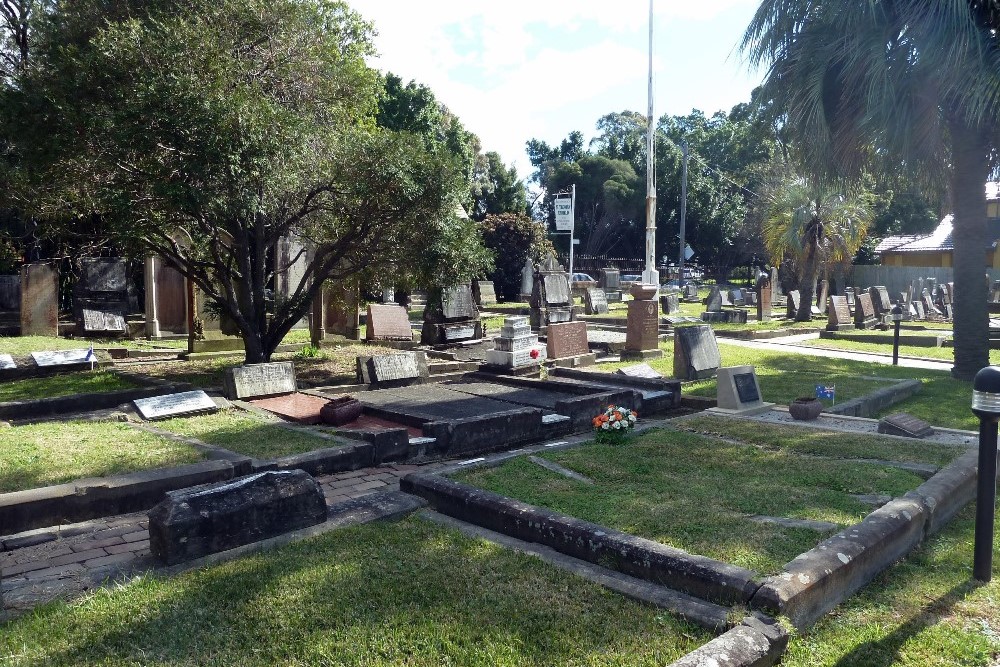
[171, 405]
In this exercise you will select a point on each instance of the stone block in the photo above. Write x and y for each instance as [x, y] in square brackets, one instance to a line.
[388, 322]
[39, 300]
[254, 380]
[566, 339]
[207, 519]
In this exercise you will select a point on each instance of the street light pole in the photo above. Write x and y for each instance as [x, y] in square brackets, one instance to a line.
[897, 317]
[651, 275]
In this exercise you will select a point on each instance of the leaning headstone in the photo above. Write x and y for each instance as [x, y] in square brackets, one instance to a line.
[713, 304]
[696, 353]
[670, 303]
[880, 300]
[206, 519]
[258, 380]
[792, 303]
[764, 287]
[930, 310]
[726, 301]
[738, 391]
[388, 322]
[639, 371]
[921, 314]
[864, 313]
[905, 425]
[839, 315]
[6, 362]
[513, 347]
[39, 300]
[566, 339]
[174, 405]
[392, 368]
[61, 358]
[485, 293]
[595, 302]
[643, 324]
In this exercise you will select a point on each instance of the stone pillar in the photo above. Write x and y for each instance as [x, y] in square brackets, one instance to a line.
[643, 324]
[39, 300]
[764, 287]
[152, 321]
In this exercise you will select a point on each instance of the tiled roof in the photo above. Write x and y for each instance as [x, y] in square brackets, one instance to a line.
[940, 239]
[891, 242]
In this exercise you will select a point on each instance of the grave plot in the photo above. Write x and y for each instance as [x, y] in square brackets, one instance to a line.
[63, 385]
[40, 455]
[380, 594]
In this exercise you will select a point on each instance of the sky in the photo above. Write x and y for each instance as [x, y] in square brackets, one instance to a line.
[514, 70]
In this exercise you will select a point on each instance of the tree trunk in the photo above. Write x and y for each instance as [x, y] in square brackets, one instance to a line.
[807, 285]
[970, 160]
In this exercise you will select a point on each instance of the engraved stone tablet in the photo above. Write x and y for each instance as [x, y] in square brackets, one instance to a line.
[670, 303]
[793, 301]
[171, 405]
[746, 387]
[7, 362]
[388, 322]
[97, 320]
[388, 367]
[610, 279]
[839, 314]
[457, 303]
[639, 371]
[567, 339]
[486, 292]
[61, 358]
[459, 332]
[253, 380]
[103, 275]
[739, 391]
[880, 300]
[905, 425]
[696, 353]
[595, 301]
[864, 312]
[556, 288]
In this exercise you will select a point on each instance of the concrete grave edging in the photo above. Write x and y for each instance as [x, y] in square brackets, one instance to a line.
[44, 407]
[870, 404]
[93, 498]
[696, 575]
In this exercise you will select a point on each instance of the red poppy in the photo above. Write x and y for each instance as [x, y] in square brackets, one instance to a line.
[533, 354]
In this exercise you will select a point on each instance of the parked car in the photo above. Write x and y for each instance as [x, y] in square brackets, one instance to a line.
[582, 277]
[630, 278]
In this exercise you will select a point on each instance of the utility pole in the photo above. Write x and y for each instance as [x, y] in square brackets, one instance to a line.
[572, 230]
[684, 202]
[651, 275]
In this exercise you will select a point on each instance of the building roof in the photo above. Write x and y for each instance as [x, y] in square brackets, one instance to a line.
[893, 242]
[940, 238]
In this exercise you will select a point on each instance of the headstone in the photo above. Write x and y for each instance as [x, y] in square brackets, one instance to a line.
[457, 303]
[257, 380]
[726, 301]
[713, 304]
[485, 293]
[6, 362]
[930, 309]
[451, 317]
[696, 353]
[919, 306]
[639, 371]
[775, 285]
[292, 257]
[914, 289]
[173, 405]
[340, 307]
[948, 311]
[944, 294]
[566, 339]
[10, 293]
[851, 298]
[551, 299]
[904, 425]
[739, 392]
[166, 299]
[397, 369]
[103, 291]
[513, 347]
[594, 301]
[206, 519]
[793, 301]
[643, 324]
[39, 300]
[864, 312]
[527, 279]
[839, 315]
[691, 293]
[736, 296]
[610, 280]
[750, 298]
[388, 322]
[60, 358]
[764, 287]
[670, 303]
[880, 300]
[99, 321]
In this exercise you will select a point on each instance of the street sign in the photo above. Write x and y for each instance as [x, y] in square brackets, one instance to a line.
[564, 214]
[688, 252]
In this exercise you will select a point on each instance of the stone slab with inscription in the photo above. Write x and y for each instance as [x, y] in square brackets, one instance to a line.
[173, 405]
[642, 329]
[839, 315]
[640, 371]
[457, 303]
[906, 425]
[39, 300]
[60, 358]
[567, 339]
[595, 301]
[696, 353]
[254, 380]
[7, 362]
[880, 300]
[458, 332]
[670, 303]
[97, 321]
[739, 392]
[486, 294]
[392, 367]
[388, 322]
[864, 312]
[556, 288]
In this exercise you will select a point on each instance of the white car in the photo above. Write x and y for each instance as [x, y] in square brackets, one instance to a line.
[582, 277]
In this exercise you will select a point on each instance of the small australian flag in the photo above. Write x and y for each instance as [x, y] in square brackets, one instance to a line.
[824, 391]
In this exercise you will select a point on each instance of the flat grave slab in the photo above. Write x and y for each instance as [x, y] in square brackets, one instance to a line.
[536, 398]
[173, 405]
[640, 371]
[906, 425]
[7, 362]
[431, 402]
[297, 407]
[373, 423]
[60, 358]
[99, 321]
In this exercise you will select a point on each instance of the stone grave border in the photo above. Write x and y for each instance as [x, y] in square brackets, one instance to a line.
[869, 404]
[26, 368]
[886, 339]
[811, 584]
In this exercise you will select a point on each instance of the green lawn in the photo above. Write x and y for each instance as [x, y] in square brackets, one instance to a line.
[938, 353]
[244, 433]
[63, 385]
[57, 452]
[21, 345]
[408, 593]
[696, 493]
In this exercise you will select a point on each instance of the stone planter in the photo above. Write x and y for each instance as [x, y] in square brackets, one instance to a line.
[805, 408]
[340, 411]
[643, 291]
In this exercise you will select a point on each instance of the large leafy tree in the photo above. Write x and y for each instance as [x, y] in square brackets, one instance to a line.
[894, 85]
[205, 131]
[513, 237]
[497, 189]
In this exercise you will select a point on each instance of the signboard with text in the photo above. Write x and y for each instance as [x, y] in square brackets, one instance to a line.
[564, 214]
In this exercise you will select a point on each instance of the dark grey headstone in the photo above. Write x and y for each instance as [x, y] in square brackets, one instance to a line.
[696, 353]
[736, 296]
[905, 425]
[839, 314]
[792, 303]
[610, 279]
[880, 300]
[670, 303]
[206, 519]
[103, 275]
[864, 312]
[10, 293]
[457, 303]
[595, 301]
[746, 387]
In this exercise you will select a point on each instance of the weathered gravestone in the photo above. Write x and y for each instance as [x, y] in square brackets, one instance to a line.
[670, 303]
[764, 287]
[551, 299]
[292, 260]
[839, 315]
[594, 301]
[100, 297]
[696, 353]
[639, 371]
[39, 300]
[173, 405]
[206, 519]
[905, 425]
[736, 297]
[851, 298]
[388, 322]
[395, 369]
[610, 281]
[527, 279]
[451, 316]
[258, 380]
[713, 303]
[691, 293]
[643, 324]
[792, 303]
[918, 305]
[864, 312]
[566, 339]
[62, 358]
[881, 301]
[750, 297]
[514, 346]
[484, 292]
[338, 303]
[10, 293]
[739, 392]
[822, 288]
[930, 310]
[166, 299]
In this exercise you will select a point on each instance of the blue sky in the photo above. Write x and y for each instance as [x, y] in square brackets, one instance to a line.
[515, 70]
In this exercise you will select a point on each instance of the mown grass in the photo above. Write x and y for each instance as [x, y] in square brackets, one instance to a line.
[408, 593]
[244, 433]
[937, 353]
[63, 385]
[21, 345]
[57, 452]
[696, 493]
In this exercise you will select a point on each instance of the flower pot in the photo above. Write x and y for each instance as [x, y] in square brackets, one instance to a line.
[340, 411]
[805, 409]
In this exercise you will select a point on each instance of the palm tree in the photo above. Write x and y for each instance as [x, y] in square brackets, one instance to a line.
[818, 229]
[907, 84]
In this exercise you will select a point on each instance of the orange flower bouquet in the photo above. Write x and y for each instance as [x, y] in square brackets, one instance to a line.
[613, 426]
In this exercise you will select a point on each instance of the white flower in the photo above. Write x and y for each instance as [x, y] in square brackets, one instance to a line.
[631, 418]
[604, 426]
[618, 425]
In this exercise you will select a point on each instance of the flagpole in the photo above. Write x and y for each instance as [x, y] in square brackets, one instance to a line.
[651, 275]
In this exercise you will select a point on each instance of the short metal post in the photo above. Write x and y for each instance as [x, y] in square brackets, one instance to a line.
[986, 495]
[895, 344]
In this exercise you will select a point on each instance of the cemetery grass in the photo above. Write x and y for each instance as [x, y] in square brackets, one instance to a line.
[697, 493]
[245, 433]
[25, 345]
[935, 353]
[57, 452]
[379, 594]
[86, 382]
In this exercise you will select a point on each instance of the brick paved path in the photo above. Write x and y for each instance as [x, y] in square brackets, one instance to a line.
[42, 565]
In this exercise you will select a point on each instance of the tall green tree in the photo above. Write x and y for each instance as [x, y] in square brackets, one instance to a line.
[894, 85]
[205, 131]
[513, 237]
[497, 189]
